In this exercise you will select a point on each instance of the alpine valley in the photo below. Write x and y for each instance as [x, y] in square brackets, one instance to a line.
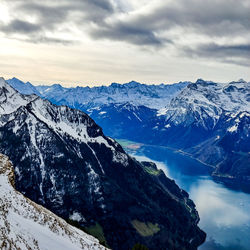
[64, 162]
[206, 120]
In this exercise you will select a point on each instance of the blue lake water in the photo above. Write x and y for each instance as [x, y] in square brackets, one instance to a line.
[224, 213]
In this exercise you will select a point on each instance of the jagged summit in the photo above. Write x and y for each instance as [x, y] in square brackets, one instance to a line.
[27, 88]
[3, 83]
[10, 99]
[238, 82]
[204, 83]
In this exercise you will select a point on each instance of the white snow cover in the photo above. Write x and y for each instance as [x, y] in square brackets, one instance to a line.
[26, 225]
[9, 100]
[77, 130]
[153, 96]
[203, 99]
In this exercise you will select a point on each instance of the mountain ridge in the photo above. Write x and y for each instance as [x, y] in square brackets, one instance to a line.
[133, 92]
[197, 119]
[60, 154]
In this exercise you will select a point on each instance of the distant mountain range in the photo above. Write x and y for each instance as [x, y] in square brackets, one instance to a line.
[153, 96]
[207, 120]
[63, 161]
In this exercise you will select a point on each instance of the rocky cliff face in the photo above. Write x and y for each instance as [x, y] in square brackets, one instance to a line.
[26, 225]
[64, 161]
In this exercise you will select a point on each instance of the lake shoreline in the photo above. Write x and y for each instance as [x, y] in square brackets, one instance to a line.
[229, 182]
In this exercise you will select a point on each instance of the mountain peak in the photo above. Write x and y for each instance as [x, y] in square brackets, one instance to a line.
[24, 88]
[2, 80]
[4, 84]
[204, 83]
[239, 81]
[10, 99]
[57, 85]
[17, 81]
[14, 78]
[133, 84]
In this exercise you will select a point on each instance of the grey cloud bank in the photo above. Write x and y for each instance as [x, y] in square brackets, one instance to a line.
[204, 30]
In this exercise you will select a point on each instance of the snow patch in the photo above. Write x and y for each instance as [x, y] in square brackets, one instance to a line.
[77, 217]
[233, 128]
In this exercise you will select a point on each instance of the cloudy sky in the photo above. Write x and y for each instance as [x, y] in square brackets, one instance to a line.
[97, 42]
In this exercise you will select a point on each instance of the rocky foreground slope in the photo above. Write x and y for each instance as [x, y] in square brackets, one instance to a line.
[26, 225]
[64, 161]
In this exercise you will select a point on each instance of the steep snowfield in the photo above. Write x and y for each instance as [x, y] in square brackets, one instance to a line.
[26, 225]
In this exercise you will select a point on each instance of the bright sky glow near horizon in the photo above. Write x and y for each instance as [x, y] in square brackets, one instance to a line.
[97, 42]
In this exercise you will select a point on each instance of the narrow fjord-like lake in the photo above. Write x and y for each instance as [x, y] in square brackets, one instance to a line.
[224, 213]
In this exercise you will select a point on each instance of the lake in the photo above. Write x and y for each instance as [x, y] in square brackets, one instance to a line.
[224, 213]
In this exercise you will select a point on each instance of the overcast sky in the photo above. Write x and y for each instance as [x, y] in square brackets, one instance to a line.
[94, 42]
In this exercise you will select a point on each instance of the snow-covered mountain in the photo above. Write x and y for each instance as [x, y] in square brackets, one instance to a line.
[27, 225]
[195, 117]
[152, 96]
[24, 88]
[64, 162]
[211, 121]
[206, 107]
[208, 120]
[203, 103]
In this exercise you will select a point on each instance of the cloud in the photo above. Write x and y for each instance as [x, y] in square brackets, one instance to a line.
[19, 26]
[50, 40]
[59, 12]
[185, 24]
[233, 53]
[128, 33]
[53, 17]
[163, 22]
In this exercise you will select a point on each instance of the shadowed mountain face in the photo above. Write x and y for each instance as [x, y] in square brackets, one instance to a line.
[64, 161]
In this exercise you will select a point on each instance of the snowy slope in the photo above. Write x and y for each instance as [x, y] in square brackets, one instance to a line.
[25, 88]
[204, 102]
[9, 101]
[26, 225]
